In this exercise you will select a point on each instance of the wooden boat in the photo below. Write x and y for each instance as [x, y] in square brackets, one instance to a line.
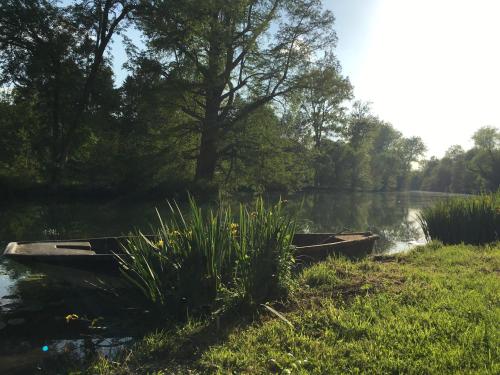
[317, 246]
[92, 253]
[98, 253]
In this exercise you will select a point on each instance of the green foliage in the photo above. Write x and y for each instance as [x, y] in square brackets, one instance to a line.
[259, 155]
[225, 63]
[371, 155]
[222, 96]
[263, 251]
[184, 261]
[203, 259]
[19, 126]
[471, 220]
[487, 138]
[459, 171]
[54, 56]
[321, 112]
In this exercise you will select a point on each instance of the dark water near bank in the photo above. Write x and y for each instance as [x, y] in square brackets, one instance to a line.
[34, 303]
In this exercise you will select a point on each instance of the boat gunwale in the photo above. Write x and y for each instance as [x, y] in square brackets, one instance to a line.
[372, 237]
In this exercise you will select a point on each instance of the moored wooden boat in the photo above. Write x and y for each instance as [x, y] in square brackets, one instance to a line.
[98, 253]
[92, 253]
[317, 246]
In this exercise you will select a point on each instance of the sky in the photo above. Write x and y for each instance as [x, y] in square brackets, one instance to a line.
[431, 68]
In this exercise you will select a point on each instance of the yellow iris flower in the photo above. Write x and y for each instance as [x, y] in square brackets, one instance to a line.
[234, 229]
[71, 317]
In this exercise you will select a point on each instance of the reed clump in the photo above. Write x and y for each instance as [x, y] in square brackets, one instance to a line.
[212, 258]
[470, 220]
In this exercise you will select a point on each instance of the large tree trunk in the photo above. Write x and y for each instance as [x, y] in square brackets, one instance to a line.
[207, 158]
[55, 172]
[214, 86]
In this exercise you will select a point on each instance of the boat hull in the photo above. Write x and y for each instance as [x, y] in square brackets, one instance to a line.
[98, 254]
[318, 246]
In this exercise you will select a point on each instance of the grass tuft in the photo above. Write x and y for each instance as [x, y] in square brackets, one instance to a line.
[471, 220]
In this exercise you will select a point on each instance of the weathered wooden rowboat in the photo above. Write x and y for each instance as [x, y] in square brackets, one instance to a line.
[98, 253]
[317, 246]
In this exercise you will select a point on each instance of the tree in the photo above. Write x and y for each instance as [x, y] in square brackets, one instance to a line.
[18, 156]
[361, 123]
[384, 157]
[322, 97]
[487, 138]
[218, 51]
[486, 161]
[321, 110]
[258, 155]
[150, 150]
[358, 134]
[410, 151]
[54, 56]
[474, 170]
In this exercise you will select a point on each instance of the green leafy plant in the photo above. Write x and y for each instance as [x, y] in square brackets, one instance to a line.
[201, 259]
[471, 220]
[184, 261]
[264, 251]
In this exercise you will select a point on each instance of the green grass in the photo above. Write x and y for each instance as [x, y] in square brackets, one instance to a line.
[435, 310]
[472, 220]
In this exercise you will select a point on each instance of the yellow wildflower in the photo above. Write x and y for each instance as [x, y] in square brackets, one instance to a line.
[234, 229]
[160, 243]
[71, 317]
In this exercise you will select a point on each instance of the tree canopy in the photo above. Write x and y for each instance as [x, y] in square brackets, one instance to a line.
[241, 95]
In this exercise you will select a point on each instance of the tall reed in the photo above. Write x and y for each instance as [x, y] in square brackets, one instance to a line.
[202, 258]
[471, 220]
[184, 260]
[264, 251]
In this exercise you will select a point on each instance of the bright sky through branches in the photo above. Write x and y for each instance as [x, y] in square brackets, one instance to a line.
[430, 67]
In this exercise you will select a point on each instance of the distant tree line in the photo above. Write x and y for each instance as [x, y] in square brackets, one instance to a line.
[460, 171]
[241, 95]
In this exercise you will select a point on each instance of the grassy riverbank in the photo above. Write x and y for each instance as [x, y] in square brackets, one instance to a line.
[434, 310]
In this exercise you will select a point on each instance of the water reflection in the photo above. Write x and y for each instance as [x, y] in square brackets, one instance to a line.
[33, 317]
[391, 215]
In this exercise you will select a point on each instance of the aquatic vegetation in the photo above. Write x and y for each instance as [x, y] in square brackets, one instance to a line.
[471, 220]
[204, 258]
[263, 251]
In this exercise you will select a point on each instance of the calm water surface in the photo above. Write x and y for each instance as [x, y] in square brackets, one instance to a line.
[34, 303]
